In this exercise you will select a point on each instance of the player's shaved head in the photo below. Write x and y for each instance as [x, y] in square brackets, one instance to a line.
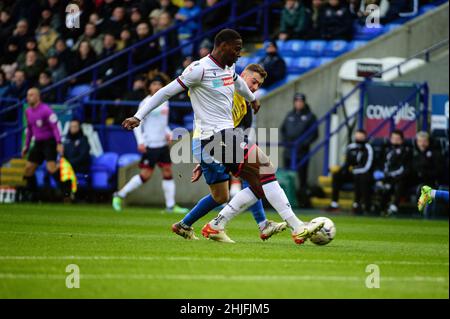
[33, 96]
[227, 36]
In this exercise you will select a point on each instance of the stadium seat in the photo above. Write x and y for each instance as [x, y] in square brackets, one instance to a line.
[189, 121]
[301, 65]
[314, 48]
[392, 26]
[242, 62]
[325, 60]
[103, 169]
[353, 45]
[292, 48]
[425, 8]
[336, 48]
[364, 33]
[127, 159]
[78, 90]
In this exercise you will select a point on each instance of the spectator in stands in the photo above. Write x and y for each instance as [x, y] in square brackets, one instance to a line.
[315, 27]
[393, 177]
[168, 6]
[98, 21]
[31, 45]
[137, 94]
[170, 41]
[365, 9]
[63, 52]
[295, 20]
[26, 10]
[4, 84]
[52, 13]
[90, 35]
[205, 48]
[154, 19]
[8, 60]
[426, 163]
[21, 33]
[189, 10]
[335, 21]
[46, 37]
[215, 17]
[148, 51]
[77, 149]
[56, 69]
[117, 21]
[395, 8]
[357, 169]
[6, 26]
[110, 70]
[32, 67]
[45, 80]
[83, 58]
[297, 122]
[135, 17]
[274, 65]
[19, 85]
[124, 40]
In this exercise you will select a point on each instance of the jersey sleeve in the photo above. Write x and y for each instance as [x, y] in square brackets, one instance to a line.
[53, 122]
[192, 75]
[138, 130]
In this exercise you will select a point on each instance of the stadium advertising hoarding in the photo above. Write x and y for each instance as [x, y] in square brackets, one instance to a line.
[439, 112]
[381, 101]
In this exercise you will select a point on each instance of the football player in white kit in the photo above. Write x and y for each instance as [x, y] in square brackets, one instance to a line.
[152, 138]
[212, 81]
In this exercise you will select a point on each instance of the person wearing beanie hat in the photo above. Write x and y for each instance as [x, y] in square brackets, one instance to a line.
[273, 63]
[297, 122]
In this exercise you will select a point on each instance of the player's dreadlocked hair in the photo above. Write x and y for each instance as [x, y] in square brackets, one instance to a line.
[226, 35]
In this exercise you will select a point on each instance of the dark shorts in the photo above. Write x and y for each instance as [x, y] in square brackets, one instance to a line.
[156, 156]
[221, 154]
[43, 150]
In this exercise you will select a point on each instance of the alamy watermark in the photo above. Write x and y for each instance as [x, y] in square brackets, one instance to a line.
[373, 16]
[73, 277]
[373, 279]
[73, 16]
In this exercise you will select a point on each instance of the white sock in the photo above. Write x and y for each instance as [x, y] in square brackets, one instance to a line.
[278, 199]
[241, 201]
[168, 186]
[334, 204]
[132, 184]
[262, 225]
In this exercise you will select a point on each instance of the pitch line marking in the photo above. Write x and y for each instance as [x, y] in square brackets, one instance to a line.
[222, 259]
[222, 277]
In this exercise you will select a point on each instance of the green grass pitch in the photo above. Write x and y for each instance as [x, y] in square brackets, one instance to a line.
[133, 254]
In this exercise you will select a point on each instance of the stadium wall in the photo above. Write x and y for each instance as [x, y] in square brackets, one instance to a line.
[321, 85]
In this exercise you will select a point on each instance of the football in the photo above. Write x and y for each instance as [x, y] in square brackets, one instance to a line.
[326, 234]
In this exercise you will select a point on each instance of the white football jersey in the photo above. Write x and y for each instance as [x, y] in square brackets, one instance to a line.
[154, 127]
[211, 89]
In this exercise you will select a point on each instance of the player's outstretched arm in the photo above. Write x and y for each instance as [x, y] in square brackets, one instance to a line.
[242, 89]
[172, 89]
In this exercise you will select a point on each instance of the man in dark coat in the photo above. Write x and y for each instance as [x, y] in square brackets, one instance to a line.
[297, 122]
[274, 65]
[76, 148]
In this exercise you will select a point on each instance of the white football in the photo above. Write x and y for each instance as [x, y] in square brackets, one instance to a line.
[326, 234]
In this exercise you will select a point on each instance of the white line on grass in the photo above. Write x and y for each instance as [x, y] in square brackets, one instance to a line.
[225, 259]
[258, 278]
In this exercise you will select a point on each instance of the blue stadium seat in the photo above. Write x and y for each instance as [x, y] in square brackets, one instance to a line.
[324, 60]
[188, 121]
[364, 33]
[103, 169]
[78, 90]
[243, 61]
[392, 26]
[427, 7]
[301, 65]
[127, 159]
[314, 48]
[336, 48]
[292, 48]
[356, 44]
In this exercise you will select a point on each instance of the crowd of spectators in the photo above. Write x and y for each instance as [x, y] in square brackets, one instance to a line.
[38, 49]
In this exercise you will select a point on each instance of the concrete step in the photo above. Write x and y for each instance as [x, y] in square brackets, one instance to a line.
[342, 194]
[12, 181]
[325, 181]
[16, 162]
[11, 171]
[325, 202]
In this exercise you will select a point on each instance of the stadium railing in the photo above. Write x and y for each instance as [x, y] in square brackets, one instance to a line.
[326, 118]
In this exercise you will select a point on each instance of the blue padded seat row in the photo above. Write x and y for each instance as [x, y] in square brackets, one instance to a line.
[314, 48]
[300, 65]
[127, 159]
[103, 168]
[335, 48]
[243, 61]
[78, 90]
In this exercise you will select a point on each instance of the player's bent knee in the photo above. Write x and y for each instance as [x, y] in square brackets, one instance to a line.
[145, 174]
